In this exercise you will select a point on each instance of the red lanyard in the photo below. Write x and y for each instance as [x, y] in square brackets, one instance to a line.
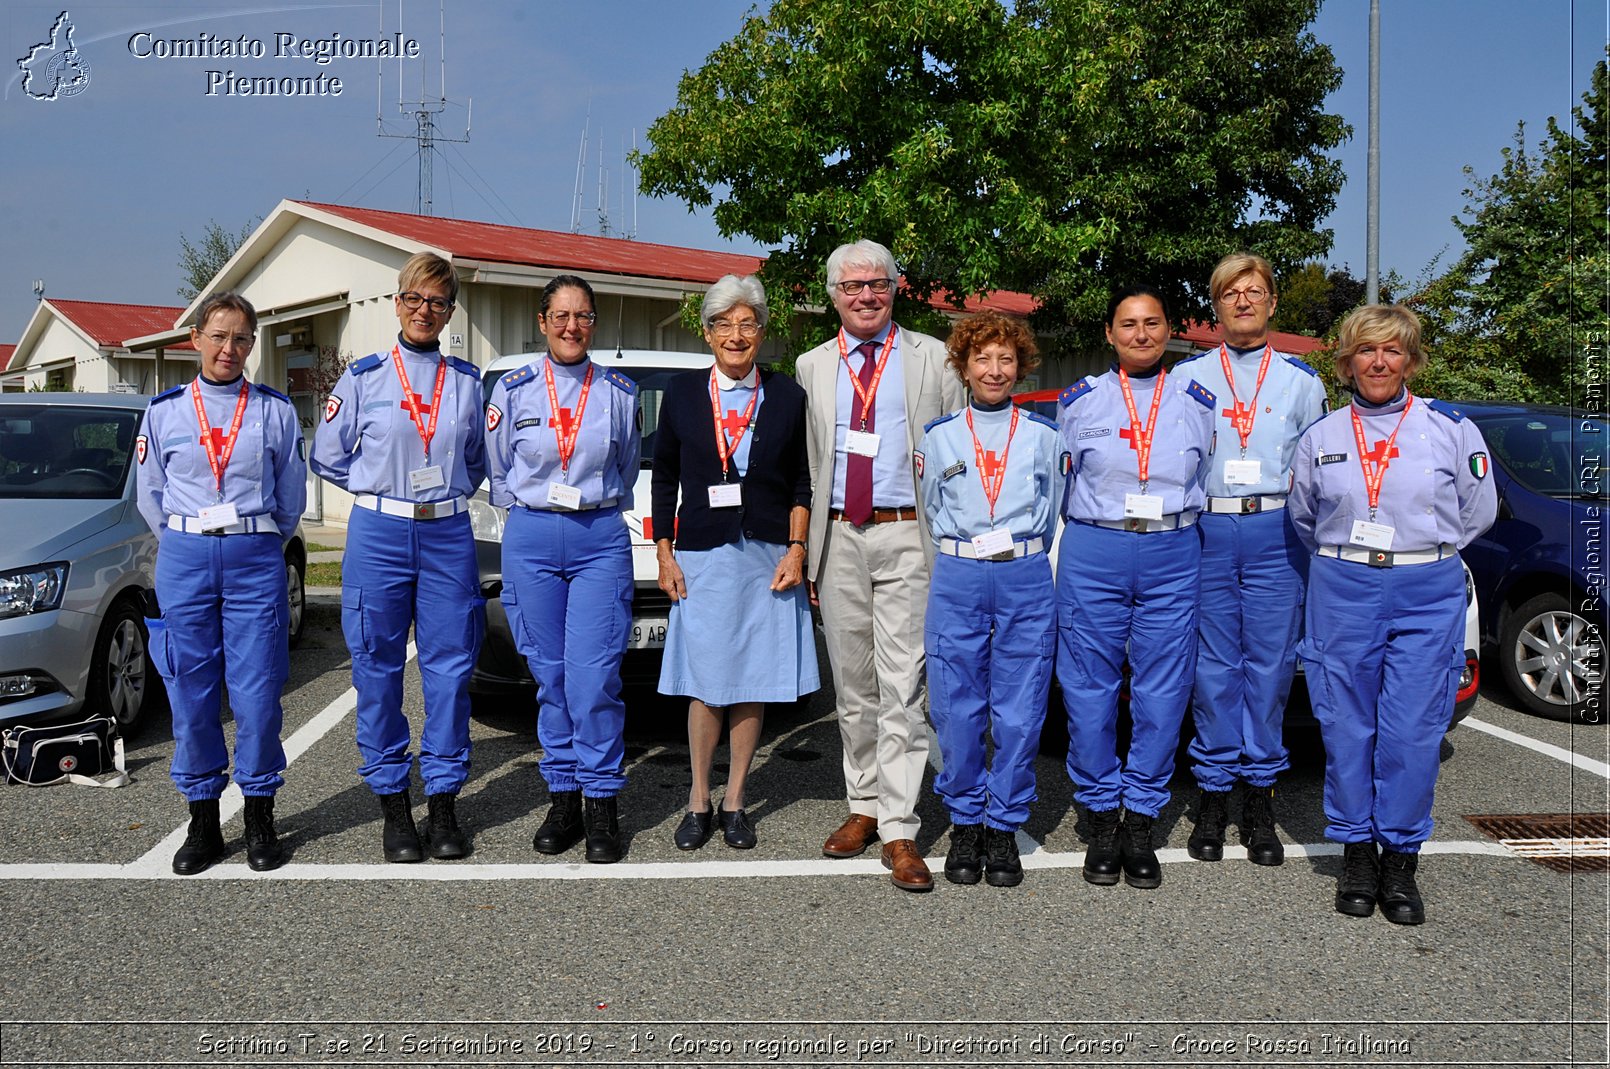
[867, 394]
[410, 402]
[1375, 471]
[216, 459]
[1242, 419]
[1143, 437]
[992, 484]
[566, 441]
[723, 448]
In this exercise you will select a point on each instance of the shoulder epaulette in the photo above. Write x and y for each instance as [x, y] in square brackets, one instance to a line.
[1074, 392]
[1197, 392]
[620, 380]
[931, 424]
[518, 377]
[368, 363]
[1036, 417]
[1446, 409]
[1188, 359]
[1300, 363]
[273, 392]
[463, 365]
[172, 391]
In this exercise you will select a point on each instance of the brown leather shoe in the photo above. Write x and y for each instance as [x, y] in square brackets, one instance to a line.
[852, 838]
[907, 870]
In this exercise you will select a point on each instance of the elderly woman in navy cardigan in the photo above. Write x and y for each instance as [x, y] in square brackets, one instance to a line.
[733, 443]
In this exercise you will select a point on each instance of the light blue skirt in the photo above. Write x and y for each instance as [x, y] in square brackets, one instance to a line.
[733, 639]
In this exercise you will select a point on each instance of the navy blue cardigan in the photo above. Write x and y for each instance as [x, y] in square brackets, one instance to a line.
[685, 457]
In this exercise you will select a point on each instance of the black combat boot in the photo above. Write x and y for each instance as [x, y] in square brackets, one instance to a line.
[1135, 848]
[400, 839]
[1002, 867]
[965, 862]
[1361, 878]
[1102, 859]
[561, 828]
[599, 817]
[203, 843]
[443, 839]
[1399, 895]
[263, 850]
[1212, 815]
[1258, 826]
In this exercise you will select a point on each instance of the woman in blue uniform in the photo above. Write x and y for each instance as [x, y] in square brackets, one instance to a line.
[402, 433]
[1387, 491]
[1252, 564]
[1128, 568]
[733, 442]
[562, 450]
[991, 481]
[222, 480]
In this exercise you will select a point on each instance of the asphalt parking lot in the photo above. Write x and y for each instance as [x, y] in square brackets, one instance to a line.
[778, 956]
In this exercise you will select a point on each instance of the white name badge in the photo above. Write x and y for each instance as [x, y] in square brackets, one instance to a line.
[1143, 506]
[1371, 535]
[993, 544]
[726, 495]
[426, 478]
[1243, 472]
[861, 443]
[217, 516]
[566, 497]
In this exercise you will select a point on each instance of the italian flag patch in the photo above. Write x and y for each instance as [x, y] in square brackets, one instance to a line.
[1478, 465]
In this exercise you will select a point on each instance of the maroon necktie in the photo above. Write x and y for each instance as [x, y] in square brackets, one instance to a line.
[858, 473]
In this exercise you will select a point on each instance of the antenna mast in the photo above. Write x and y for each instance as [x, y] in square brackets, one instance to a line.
[423, 112]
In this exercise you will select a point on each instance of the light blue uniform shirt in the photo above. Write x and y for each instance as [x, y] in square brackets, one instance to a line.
[1291, 400]
[368, 441]
[1094, 423]
[953, 492]
[891, 472]
[523, 452]
[267, 473]
[1436, 490]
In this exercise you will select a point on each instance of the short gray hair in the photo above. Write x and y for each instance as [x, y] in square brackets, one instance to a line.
[728, 292]
[863, 253]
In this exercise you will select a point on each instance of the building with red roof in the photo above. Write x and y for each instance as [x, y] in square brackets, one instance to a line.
[81, 345]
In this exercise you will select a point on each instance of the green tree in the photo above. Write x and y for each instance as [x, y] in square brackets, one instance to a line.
[1514, 314]
[201, 261]
[1314, 299]
[1055, 148]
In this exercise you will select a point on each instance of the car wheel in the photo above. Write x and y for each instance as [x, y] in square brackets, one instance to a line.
[1552, 658]
[122, 681]
[297, 590]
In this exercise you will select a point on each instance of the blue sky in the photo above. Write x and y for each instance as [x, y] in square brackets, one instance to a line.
[100, 185]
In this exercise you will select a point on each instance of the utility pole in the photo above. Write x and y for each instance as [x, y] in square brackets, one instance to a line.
[1372, 226]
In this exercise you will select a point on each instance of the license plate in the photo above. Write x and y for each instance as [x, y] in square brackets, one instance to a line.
[648, 633]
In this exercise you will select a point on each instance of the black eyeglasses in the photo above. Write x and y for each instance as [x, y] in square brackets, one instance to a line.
[855, 285]
[412, 301]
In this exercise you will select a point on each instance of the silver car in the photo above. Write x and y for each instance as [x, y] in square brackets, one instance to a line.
[77, 560]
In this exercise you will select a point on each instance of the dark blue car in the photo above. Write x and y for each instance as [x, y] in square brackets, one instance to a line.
[1540, 569]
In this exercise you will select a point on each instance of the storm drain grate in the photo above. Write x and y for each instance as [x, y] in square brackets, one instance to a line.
[1564, 842]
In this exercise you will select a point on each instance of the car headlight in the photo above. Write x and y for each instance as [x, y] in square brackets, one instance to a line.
[486, 521]
[28, 590]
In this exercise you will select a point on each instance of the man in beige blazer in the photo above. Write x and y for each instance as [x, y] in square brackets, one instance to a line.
[870, 390]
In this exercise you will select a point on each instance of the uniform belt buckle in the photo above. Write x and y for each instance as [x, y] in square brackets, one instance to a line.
[1251, 504]
[424, 510]
[218, 532]
[1379, 558]
[1135, 523]
[1005, 554]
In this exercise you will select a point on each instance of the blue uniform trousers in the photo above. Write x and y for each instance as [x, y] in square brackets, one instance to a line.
[567, 590]
[990, 639]
[1383, 654]
[225, 619]
[1253, 568]
[400, 572]
[1124, 592]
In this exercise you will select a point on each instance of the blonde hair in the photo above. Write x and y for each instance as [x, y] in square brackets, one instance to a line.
[1373, 324]
[1233, 267]
[428, 267]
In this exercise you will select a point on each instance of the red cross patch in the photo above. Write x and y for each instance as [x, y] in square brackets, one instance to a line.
[332, 405]
[917, 462]
[139, 448]
[494, 417]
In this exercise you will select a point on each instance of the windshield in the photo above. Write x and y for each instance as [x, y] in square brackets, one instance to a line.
[65, 451]
[651, 384]
[1554, 453]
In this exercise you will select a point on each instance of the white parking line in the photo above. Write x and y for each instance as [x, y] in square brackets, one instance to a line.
[1559, 753]
[649, 870]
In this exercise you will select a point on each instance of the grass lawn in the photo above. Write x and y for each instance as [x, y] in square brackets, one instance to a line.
[324, 574]
[316, 547]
